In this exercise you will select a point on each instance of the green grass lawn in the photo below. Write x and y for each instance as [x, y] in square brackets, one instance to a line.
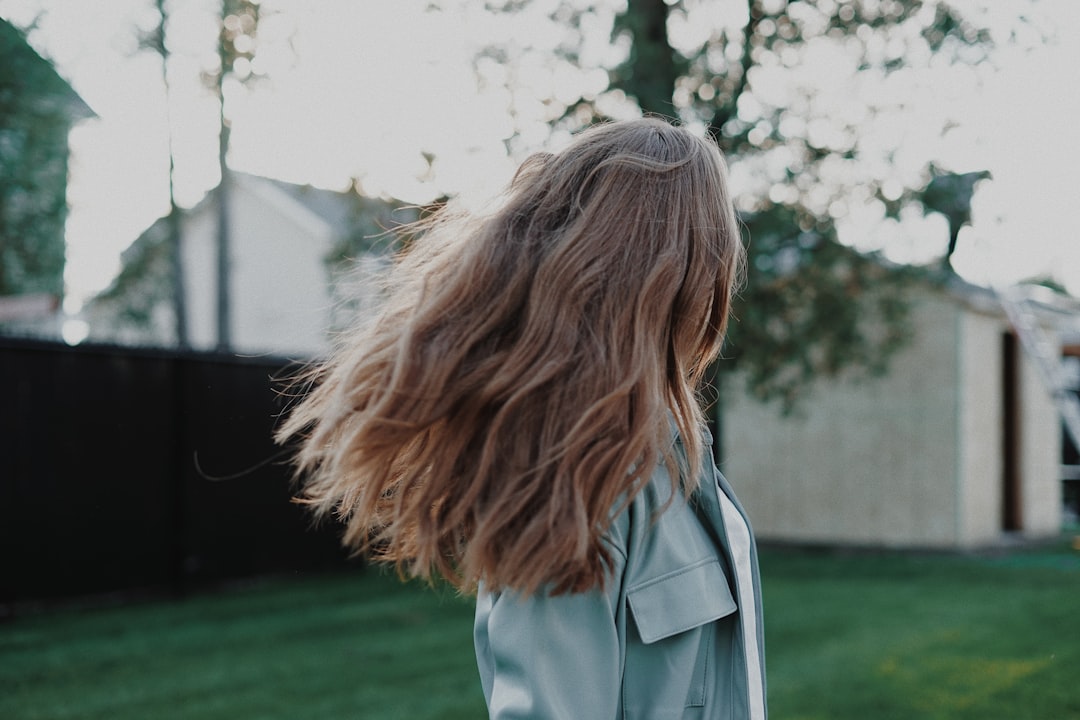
[908, 636]
[848, 636]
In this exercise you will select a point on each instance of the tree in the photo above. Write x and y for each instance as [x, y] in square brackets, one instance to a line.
[235, 46]
[950, 195]
[156, 42]
[37, 109]
[812, 306]
[235, 50]
[150, 289]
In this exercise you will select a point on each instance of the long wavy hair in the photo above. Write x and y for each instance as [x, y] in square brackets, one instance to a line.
[519, 386]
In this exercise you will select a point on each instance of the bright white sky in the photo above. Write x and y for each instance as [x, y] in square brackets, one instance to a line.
[362, 87]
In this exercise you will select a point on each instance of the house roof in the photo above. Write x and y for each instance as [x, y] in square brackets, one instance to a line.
[33, 79]
[331, 206]
[344, 211]
[341, 212]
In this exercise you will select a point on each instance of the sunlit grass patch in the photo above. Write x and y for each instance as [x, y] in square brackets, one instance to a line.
[961, 683]
[909, 636]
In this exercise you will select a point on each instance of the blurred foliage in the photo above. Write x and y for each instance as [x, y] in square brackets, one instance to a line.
[950, 194]
[367, 227]
[366, 240]
[144, 284]
[155, 41]
[37, 108]
[152, 274]
[812, 306]
[237, 43]
[239, 22]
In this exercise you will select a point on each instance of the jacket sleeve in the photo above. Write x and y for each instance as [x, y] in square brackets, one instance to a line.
[545, 658]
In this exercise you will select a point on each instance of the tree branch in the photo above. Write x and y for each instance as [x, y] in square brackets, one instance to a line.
[726, 111]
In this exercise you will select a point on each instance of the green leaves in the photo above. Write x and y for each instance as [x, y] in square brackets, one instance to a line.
[37, 109]
[813, 307]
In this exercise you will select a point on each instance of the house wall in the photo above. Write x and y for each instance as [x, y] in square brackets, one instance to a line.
[200, 277]
[872, 462]
[280, 290]
[282, 284]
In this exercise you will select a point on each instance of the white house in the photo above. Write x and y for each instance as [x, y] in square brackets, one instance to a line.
[282, 271]
[280, 294]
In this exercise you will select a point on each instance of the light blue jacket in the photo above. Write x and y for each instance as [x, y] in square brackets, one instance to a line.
[666, 638]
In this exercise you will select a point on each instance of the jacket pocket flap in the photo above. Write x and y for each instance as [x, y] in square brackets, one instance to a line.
[681, 600]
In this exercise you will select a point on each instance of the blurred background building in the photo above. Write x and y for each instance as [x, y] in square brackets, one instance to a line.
[959, 445]
[292, 275]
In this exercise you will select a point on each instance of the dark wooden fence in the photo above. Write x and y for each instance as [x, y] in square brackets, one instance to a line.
[105, 455]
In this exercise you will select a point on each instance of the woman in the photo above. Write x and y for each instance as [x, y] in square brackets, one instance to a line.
[522, 419]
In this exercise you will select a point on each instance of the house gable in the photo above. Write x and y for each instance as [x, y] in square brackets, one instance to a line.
[280, 274]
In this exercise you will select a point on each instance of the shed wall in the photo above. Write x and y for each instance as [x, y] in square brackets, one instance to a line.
[1041, 455]
[981, 429]
[871, 461]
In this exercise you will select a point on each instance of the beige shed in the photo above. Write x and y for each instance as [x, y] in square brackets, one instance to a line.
[958, 446]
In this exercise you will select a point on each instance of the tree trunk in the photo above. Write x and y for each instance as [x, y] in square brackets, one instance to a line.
[651, 72]
[174, 230]
[224, 285]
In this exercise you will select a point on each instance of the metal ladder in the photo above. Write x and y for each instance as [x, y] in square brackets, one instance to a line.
[1045, 353]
